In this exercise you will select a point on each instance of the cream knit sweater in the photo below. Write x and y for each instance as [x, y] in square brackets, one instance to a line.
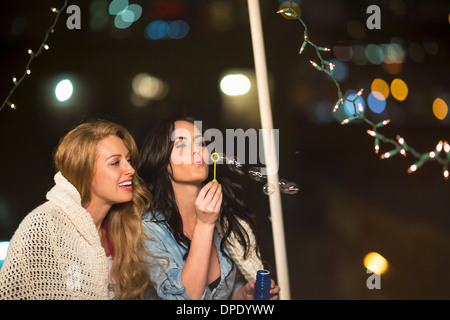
[56, 252]
[250, 266]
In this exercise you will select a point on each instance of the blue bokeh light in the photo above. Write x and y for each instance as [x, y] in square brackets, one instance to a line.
[3, 250]
[376, 102]
[166, 30]
[349, 106]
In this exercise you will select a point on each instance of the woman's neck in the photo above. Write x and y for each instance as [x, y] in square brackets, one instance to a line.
[98, 214]
[185, 196]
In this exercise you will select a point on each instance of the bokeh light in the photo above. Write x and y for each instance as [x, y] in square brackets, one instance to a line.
[126, 14]
[375, 262]
[359, 55]
[64, 90]
[235, 84]
[374, 53]
[349, 107]
[393, 53]
[440, 109]
[295, 7]
[376, 102]
[166, 30]
[343, 52]
[399, 89]
[416, 52]
[3, 250]
[356, 29]
[117, 6]
[340, 70]
[148, 87]
[381, 86]
[98, 16]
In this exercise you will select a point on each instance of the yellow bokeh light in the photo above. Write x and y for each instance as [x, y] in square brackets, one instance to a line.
[375, 262]
[381, 86]
[399, 89]
[440, 108]
[292, 5]
[356, 29]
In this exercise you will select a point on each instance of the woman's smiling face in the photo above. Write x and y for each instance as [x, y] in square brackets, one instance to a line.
[113, 173]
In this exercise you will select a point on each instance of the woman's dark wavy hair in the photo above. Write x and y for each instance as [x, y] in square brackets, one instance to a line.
[155, 159]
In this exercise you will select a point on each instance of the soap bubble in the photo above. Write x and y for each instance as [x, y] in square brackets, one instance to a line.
[289, 188]
[268, 189]
[283, 183]
[255, 174]
[234, 165]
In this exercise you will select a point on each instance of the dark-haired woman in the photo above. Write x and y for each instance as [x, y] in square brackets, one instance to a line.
[201, 232]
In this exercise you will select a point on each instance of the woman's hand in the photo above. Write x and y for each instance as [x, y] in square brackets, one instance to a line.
[208, 203]
[247, 291]
[274, 290]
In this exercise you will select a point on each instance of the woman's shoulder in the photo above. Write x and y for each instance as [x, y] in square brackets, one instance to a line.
[40, 218]
[151, 216]
[40, 214]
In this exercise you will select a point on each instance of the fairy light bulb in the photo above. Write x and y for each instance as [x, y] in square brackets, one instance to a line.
[360, 107]
[439, 146]
[316, 66]
[446, 147]
[338, 103]
[303, 47]
[283, 10]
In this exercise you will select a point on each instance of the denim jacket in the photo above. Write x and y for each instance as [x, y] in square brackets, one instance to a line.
[165, 269]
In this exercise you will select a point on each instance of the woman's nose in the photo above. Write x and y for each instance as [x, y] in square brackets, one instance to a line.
[129, 170]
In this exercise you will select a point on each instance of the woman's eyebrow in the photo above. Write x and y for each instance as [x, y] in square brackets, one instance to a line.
[118, 155]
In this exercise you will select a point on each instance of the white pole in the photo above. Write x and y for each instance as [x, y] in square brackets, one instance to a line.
[269, 148]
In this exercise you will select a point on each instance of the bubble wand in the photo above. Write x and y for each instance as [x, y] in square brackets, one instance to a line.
[214, 155]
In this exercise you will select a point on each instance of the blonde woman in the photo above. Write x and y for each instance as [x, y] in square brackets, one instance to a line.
[85, 242]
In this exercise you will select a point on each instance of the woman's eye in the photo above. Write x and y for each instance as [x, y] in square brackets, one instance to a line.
[115, 163]
[200, 144]
[180, 145]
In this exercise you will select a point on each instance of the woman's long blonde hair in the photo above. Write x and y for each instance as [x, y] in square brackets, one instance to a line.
[75, 158]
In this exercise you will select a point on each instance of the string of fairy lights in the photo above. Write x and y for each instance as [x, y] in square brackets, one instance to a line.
[440, 154]
[33, 55]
